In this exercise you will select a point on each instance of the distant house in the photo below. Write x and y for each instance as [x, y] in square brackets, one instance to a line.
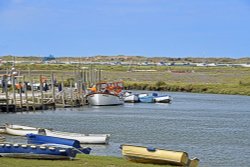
[49, 58]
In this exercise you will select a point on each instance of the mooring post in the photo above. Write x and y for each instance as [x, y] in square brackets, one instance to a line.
[53, 87]
[41, 90]
[14, 90]
[21, 97]
[26, 93]
[6, 93]
[33, 95]
[71, 93]
[63, 93]
[100, 75]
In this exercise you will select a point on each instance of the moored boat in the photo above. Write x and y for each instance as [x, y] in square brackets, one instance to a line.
[147, 98]
[105, 94]
[157, 156]
[2, 138]
[154, 98]
[19, 130]
[41, 139]
[2, 129]
[36, 151]
[82, 138]
[129, 97]
[162, 99]
[104, 99]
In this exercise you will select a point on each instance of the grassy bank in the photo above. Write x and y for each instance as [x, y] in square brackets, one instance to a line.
[232, 89]
[218, 80]
[81, 160]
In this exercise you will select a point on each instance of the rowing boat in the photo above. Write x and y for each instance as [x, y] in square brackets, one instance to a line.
[82, 138]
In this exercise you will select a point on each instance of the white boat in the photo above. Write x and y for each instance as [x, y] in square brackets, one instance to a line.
[2, 138]
[130, 98]
[104, 99]
[162, 99]
[2, 129]
[82, 138]
[106, 94]
[20, 130]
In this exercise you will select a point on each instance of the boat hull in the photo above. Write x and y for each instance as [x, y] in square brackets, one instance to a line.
[147, 99]
[131, 99]
[162, 99]
[19, 130]
[2, 138]
[82, 138]
[36, 151]
[40, 139]
[103, 99]
[154, 156]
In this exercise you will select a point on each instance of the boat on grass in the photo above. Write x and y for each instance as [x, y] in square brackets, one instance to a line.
[31, 151]
[157, 156]
[105, 94]
[82, 138]
[40, 139]
[20, 130]
[2, 129]
[2, 138]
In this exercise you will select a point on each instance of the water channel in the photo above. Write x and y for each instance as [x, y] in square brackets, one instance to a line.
[214, 128]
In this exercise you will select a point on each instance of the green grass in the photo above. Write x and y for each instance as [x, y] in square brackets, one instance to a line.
[218, 80]
[80, 161]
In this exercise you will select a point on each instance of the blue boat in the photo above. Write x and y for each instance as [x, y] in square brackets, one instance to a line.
[147, 98]
[31, 151]
[41, 139]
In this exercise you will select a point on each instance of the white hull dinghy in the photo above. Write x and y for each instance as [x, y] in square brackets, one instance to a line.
[162, 99]
[82, 138]
[19, 130]
[130, 98]
[2, 138]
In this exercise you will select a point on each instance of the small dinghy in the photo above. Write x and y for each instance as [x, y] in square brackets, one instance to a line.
[157, 156]
[40, 139]
[31, 151]
[147, 98]
[154, 98]
[82, 138]
[19, 130]
[129, 97]
[162, 99]
[2, 138]
[2, 129]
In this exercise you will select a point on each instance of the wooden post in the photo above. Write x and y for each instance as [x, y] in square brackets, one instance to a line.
[32, 90]
[21, 98]
[14, 89]
[26, 94]
[6, 93]
[100, 75]
[63, 93]
[53, 87]
[33, 95]
[41, 90]
[71, 93]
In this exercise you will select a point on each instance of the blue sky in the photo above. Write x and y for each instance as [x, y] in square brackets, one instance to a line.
[171, 28]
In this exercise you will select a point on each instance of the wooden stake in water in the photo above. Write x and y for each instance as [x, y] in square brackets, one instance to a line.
[41, 90]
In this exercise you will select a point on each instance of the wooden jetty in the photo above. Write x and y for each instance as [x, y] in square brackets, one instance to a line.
[30, 92]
